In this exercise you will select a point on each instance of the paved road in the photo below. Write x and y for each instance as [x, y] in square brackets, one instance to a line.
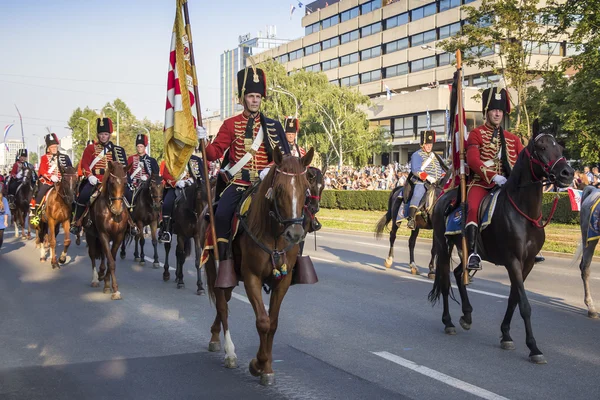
[362, 332]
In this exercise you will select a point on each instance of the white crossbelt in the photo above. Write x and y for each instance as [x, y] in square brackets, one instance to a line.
[52, 168]
[427, 162]
[98, 158]
[136, 171]
[248, 156]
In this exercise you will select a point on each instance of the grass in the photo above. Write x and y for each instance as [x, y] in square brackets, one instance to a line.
[560, 238]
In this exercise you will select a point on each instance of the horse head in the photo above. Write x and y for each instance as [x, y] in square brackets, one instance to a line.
[68, 184]
[315, 184]
[27, 173]
[114, 187]
[282, 196]
[546, 159]
[156, 187]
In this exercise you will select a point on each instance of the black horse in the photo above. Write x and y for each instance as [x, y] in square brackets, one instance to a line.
[22, 198]
[513, 238]
[422, 221]
[188, 224]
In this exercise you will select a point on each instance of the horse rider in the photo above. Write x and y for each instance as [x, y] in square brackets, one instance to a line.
[491, 154]
[426, 169]
[94, 162]
[174, 186]
[292, 127]
[141, 168]
[16, 174]
[250, 138]
[48, 173]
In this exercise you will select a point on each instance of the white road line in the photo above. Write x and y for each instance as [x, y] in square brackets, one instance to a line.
[373, 245]
[322, 259]
[161, 264]
[243, 298]
[448, 380]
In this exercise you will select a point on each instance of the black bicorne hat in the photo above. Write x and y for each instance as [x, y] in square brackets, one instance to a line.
[495, 99]
[251, 80]
[292, 125]
[141, 139]
[104, 125]
[51, 139]
[427, 137]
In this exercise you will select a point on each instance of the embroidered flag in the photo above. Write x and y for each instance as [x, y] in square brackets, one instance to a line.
[575, 198]
[180, 115]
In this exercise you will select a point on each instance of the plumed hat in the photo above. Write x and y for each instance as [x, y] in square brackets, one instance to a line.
[141, 139]
[292, 125]
[495, 99]
[104, 125]
[251, 80]
[427, 137]
[51, 139]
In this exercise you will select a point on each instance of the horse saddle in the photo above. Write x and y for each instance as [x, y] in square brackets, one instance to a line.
[485, 214]
[593, 232]
[44, 202]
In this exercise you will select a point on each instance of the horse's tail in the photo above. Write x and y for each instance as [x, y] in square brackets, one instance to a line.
[381, 224]
[211, 277]
[187, 246]
[436, 290]
[578, 254]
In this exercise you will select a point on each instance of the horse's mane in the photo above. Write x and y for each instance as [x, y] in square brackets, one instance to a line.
[259, 219]
[116, 167]
[521, 166]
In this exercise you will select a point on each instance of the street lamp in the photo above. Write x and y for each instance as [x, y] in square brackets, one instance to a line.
[428, 47]
[148, 132]
[88, 123]
[283, 91]
[118, 116]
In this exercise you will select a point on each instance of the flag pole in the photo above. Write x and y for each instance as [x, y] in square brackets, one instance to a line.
[463, 180]
[188, 30]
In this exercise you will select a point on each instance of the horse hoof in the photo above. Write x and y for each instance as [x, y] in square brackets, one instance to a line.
[62, 260]
[78, 241]
[156, 265]
[213, 347]
[142, 263]
[253, 369]
[267, 379]
[464, 324]
[231, 362]
[431, 275]
[106, 290]
[414, 271]
[200, 292]
[122, 255]
[55, 266]
[508, 345]
[95, 284]
[42, 260]
[38, 245]
[166, 277]
[538, 359]
[593, 315]
[181, 286]
[450, 330]
[388, 262]
[116, 296]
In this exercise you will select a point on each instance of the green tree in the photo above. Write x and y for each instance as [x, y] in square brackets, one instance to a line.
[516, 30]
[332, 117]
[33, 158]
[79, 127]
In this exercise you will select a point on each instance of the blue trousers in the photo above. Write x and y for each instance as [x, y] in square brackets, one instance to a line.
[85, 192]
[417, 194]
[226, 207]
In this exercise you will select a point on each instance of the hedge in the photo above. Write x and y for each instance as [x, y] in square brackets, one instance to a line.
[377, 200]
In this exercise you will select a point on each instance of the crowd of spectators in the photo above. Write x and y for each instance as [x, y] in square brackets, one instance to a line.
[371, 177]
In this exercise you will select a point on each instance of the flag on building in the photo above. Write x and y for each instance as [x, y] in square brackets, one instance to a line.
[6, 129]
[575, 198]
[454, 128]
[180, 115]
[388, 92]
[428, 119]
[292, 9]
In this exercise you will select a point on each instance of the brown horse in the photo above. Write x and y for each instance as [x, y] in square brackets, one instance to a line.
[109, 222]
[146, 211]
[59, 202]
[22, 198]
[265, 252]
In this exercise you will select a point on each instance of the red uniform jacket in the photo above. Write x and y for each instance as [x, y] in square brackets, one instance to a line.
[48, 168]
[104, 154]
[232, 136]
[15, 169]
[483, 158]
[297, 151]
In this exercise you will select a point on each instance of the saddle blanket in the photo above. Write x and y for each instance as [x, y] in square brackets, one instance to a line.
[453, 221]
[593, 232]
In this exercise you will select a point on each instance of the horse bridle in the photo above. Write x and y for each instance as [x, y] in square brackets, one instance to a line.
[276, 214]
[548, 166]
[61, 190]
[112, 198]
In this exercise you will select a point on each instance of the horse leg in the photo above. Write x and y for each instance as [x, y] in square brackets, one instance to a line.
[465, 321]
[180, 260]
[506, 341]
[584, 266]
[261, 364]
[516, 279]
[92, 249]
[136, 253]
[412, 241]
[42, 245]
[443, 270]
[52, 243]
[67, 228]
[123, 253]
[390, 259]
[142, 241]
[166, 273]
[215, 330]
[198, 252]
[112, 265]
[153, 227]
[431, 273]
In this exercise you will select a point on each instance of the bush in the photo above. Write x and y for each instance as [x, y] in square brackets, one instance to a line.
[377, 200]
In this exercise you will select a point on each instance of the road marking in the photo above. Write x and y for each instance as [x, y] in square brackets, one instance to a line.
[322, 259]
[448, 380]
[243, 298]
[373, 245]
[159, 263]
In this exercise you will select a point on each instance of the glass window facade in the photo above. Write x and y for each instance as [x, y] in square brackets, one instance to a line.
[448, 4]
[315, 48]
[349, 59]
[370, 53]
[331, 21]
[349, 14]
[423, 37]
[350, 81]
[396, 70]
[446, 59]
[404, 126]
[327, 65]
[396, 21]
[370, 29]
[334, 41]
[448, 30]
[400, 44]
[370, 6]
[349, 36]
[422, 64]
[312, 28]
[296, 54]
[370, 76]
[423, 12]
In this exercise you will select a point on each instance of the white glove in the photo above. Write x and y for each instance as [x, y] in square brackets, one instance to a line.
[180, 184]
[201, 132]
[189, 181]
[93, 180]
[499, 180]
[144, 178]
[431, 179]
[54, 178]
[19, 174]
[264, 173]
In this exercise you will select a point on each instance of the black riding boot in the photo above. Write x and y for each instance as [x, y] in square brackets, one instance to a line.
[410, 220]
[474, 261]
[165, 230]
[76, 223]
[226, 275]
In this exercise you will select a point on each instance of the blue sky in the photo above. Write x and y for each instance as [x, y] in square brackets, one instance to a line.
[58, 55]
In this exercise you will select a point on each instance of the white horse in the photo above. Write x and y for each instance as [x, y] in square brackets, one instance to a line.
[586, 248]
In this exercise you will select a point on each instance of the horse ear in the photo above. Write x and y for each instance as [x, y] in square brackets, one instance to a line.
[307, 159]
[277, 156]
[536, 128]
